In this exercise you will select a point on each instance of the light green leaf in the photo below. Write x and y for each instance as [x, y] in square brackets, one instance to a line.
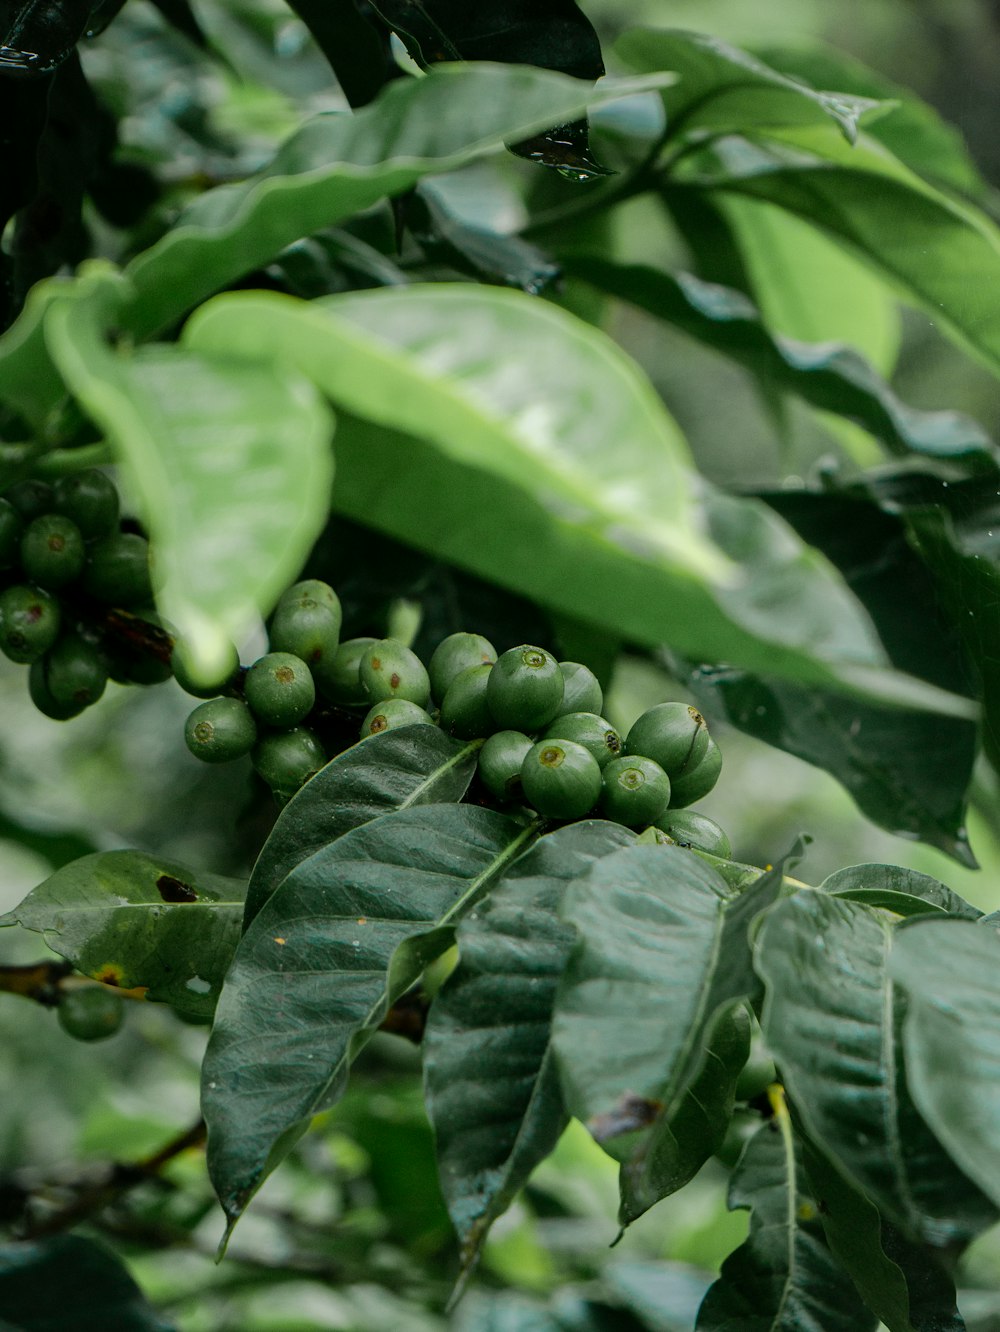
[29, 381]
[904, 891]
[232, 468]
[346, 933]
[950, 970]
[140, 921]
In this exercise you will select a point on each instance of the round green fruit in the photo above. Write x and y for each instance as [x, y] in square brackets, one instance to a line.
[11, 531]
[526, 689]
[29, 622]
[220, 730]
[465, 711]
[308, 628]
[561, 779]
[455, 654]
[636, 791]
[582, 690]
[500, 761]
[117, 570]
[671, 734]
[696, 783]
[52, 551]
[391, 714]
[30, 498]
[286, 760]
[90, 1012]
[196, 685]
[91, 500]
[279, 689]
[339, 679]
[390, 670]
[689, 828]
[313, 589]
[41, 695]
[76, 672]
[589, 730]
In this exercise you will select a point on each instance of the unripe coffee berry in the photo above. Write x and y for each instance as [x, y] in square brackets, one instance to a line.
[286, 760]
[31, 498]
[455, 654]
[636, 791]
[91, 500]
[687, 827]
[561, 779]
[589, 730]
[90, 1012]
[280, 690]
[674, 735]
[582, 690]
[52, 551]
[695, 783]
[309, 629]
[312, 589]
[197, 686]
[339, 679]
[117, 570]
[220, 730]
[525, 689]
[500, 761]
[76, 672]
[391, 670]
[465, 712]
[29, 622]
[392, 713]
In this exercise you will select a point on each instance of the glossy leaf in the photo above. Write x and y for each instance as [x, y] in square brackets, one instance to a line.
[231, 468]
[951, 1036]
[829, 376]
[662, 951]
[723, 88]
[784, 1277]
[141, 921]
[491, 1086]
[358, 54]
[830, 1019]
[415, 765]
[907, 892]
[37, 1279]
[36, 38]
[496, 447]
[337, 165]
[902, 1282]
[348, 931]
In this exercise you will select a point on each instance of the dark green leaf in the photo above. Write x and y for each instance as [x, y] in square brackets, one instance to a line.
[904, 891]
[359, 55]
[135, 920]
[832, 377]
[491, 1085]
[347, 932]
[830, 1019]
[36, 37]
[70, 1281]
[415, 765]
[900, 1281]
[784, 1278]
[950, 970]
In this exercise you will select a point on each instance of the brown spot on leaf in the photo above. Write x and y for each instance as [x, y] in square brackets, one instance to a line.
[109, 974]
[173, 890]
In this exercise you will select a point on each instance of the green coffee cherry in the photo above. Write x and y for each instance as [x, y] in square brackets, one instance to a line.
[220, 730]
[30, 498]
[465, 711]
[390, 670]
[11, 531]
[589, 730]
[687, 827]
[181, 667]
[41, 695]
[636, 791]
[561, 779]
[582, 690]
[672, 734]
[90, 1012]
[279, 689]
[525, 689]
[117, 570]
[307, 628]
[29, 622]
[91, 500]
[695, 783]
[500, 763]
[286, 760]
[52, 551]
[455, 654]
[312, 589]
[391, 714]
[339, 679]
[76, 672]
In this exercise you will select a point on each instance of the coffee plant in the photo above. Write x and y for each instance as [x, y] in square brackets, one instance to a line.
[335, 388]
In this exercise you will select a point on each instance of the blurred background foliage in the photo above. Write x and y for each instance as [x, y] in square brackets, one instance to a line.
[352, 1233]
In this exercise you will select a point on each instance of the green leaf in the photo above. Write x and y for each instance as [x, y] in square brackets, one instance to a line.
[29, 380]
[231, 468]
[829, 376]
[663, 950]
[38, 1281]
[347, 932]
[830, 1019]
[515, 441]
[723, 88]
[492, 1089]
[784, 1278]
[951, 1036]
[358, 54]
[673, 1150]
[135, 920]
[337, 165]
[900, 1281]
[415, 765]
[907, 892]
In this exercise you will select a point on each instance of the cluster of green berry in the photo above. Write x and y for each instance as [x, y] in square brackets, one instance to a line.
[64, 562]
